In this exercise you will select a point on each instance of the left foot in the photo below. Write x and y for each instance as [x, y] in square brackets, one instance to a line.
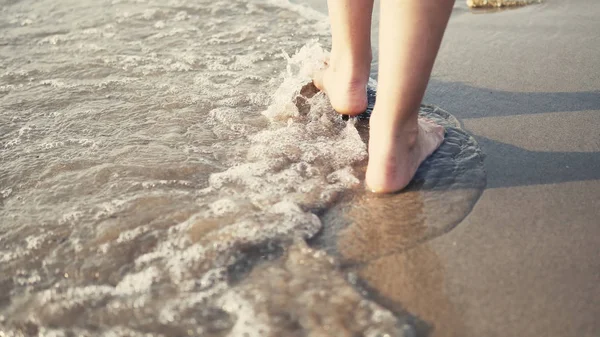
[346, 87]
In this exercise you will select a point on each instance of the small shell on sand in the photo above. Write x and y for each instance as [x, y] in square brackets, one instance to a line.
[499, 3]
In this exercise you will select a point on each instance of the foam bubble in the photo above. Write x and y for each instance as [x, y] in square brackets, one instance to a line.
[137, 283]
[175, 163]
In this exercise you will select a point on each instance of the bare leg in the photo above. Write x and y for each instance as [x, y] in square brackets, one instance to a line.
[345, 79]
[410, 35]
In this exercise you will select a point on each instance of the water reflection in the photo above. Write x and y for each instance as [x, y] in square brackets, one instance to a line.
[383, 239]
[405, 277]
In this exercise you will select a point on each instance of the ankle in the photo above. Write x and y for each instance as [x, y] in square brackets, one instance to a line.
[356, 69]
[385, 124]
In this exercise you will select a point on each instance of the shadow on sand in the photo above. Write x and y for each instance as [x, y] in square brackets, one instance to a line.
[382, 241]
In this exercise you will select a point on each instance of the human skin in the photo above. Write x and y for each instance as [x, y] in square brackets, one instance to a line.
[410, 35]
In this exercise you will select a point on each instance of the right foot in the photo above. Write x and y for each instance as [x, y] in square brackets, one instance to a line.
[346, 90]
[395, 153]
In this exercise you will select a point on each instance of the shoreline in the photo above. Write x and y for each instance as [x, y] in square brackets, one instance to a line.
[524, 83]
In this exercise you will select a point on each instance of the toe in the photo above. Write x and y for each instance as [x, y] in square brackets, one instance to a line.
[431, 127]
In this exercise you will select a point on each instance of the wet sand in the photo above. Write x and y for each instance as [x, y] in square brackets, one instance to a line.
[525, 262]
[204, 214]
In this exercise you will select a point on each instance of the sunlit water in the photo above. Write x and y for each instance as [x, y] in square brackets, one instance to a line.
[163, 164]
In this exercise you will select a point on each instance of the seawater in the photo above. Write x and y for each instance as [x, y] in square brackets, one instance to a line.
[167, 170]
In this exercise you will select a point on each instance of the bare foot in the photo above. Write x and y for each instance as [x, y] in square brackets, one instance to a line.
[395, 153]
[347, 91]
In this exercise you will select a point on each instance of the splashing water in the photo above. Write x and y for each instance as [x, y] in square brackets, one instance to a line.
[162, 168]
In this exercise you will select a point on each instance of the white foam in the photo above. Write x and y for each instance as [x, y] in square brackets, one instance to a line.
[223, 206]
[131, 234]
[137, 283]
[34, 241]
[299, 70]
[248, 322]
[107, 96]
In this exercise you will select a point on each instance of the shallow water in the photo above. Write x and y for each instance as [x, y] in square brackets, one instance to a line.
[162, 169]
